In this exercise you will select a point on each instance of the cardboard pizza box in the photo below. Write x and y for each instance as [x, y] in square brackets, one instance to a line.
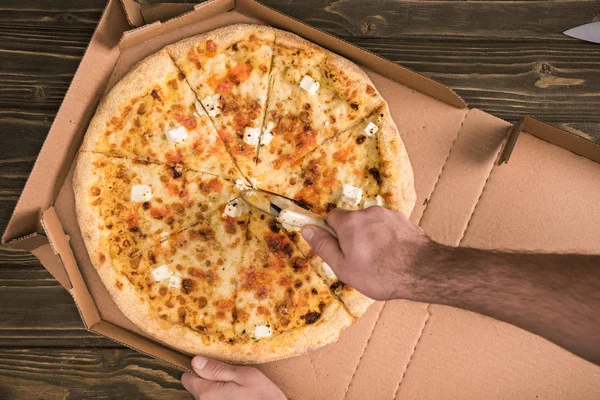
[480, 182]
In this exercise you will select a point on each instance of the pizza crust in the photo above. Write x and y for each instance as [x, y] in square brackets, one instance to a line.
[398, 180]
[397, 172]
[225, 36]
[87, 217]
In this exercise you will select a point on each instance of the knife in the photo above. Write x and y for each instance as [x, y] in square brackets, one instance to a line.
[588, 32]
[286, 211]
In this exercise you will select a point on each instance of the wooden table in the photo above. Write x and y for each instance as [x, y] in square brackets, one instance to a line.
[507, 58]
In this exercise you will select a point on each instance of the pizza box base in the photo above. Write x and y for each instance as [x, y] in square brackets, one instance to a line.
[544, 199]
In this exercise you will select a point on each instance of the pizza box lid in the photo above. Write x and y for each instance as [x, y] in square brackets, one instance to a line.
[542, 199]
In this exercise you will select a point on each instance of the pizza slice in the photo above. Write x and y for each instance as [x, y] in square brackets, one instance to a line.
[363, 166]
[229, 71]
[189, 282]
[315, 95]
[126, 205]
[279, 295]
[152, 114]
[356, 169]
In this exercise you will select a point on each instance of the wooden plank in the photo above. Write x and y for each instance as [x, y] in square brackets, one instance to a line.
[452, 19]
[86, 374]
[37, 311]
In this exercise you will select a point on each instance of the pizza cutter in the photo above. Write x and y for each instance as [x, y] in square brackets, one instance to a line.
[288, 212]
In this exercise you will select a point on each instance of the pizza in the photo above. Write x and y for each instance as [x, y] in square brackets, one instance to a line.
[163, 163]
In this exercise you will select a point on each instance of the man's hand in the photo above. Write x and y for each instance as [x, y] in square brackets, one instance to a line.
[375, 250]
[384, 256]
[217, 380]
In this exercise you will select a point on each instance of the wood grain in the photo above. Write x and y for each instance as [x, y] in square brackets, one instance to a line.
[86, 374]
[508, 58]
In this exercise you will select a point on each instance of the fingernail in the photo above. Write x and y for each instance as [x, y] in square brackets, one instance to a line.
[199, 362]
[308, 234]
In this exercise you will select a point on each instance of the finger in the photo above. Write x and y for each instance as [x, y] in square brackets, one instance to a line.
[195, 385]
[336, 218]
[324, 244]
[214, 370]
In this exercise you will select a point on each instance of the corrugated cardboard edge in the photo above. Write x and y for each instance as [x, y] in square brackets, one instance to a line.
[162, 11]
[38, 245]
[133, 13]
[138, 35]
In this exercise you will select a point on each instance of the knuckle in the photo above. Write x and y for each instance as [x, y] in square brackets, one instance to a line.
[219, 369]
[320, 245]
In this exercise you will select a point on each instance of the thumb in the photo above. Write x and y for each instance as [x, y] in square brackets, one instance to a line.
[214, 370]
[324, 244]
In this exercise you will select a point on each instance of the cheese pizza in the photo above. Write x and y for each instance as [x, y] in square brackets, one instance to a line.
[164, 161]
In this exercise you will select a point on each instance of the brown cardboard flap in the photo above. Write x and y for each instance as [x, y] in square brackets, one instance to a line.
[142, 344]
[133, 13]
[545, 199]
[177, 28]
[567, 140]
[60, 243]
[463, 177]
[164, 11]
[462, 355]
[389, 350]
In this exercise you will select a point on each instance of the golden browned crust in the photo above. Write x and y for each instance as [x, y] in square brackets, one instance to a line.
[225, 37]
[356, 303]
[396, 171]
[88, 218]
[137, 83]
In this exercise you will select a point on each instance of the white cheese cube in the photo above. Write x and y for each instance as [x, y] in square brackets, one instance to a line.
[262, 331]
[310, 85]
[211, 104]
[235, 208]
[377, 201]
[266, 138]
[241, 185]
[141, 193]
[329, 274]
[199, 109]
[267, 135]
[351, 195]
[175, 281]
[161, 273]
[177, 134]
[251, 136]
[371, 129]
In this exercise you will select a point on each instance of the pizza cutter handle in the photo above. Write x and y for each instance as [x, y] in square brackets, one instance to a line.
[300, 218]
